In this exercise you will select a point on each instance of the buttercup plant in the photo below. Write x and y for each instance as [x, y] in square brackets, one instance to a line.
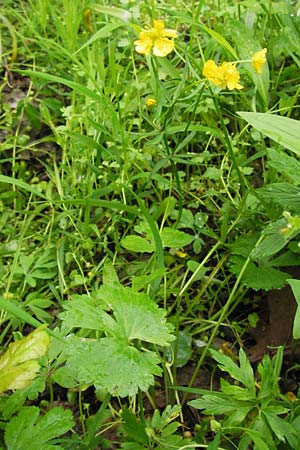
[123, 142]
[226, 75]
[156, 39]
[258, 60]
[150, 102]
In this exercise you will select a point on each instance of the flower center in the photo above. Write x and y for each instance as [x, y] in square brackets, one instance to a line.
[154, 34]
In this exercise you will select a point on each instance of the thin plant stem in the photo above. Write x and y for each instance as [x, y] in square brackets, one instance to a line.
[81, 412]
[228, 142]
[223, 314]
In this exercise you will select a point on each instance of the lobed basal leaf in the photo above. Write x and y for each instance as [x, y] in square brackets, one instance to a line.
[119, 367]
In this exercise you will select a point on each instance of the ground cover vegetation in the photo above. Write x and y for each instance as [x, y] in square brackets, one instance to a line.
[150, 218]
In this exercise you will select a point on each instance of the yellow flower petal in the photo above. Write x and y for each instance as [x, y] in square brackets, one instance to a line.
[159, 26]
[230, 76]
[151, 102]
[226, 75]
[212, 72]
[258, 60]
[162, 47]
[168, 32]
[143, 46]
[156, 38]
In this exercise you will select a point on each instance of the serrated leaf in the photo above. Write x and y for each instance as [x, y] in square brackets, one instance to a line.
[243, 245]
[133, 427]
[137, 316]
[82, 312]
[247, 374]
[120, 368]
[244, 373]
[19, 364]
[169, 413]
[28, 430]
[215, 404]
[64, 377]
[113, 362]
[12, 403]
[237, 392]
[258, 277]
[265, 278]
[269, 377]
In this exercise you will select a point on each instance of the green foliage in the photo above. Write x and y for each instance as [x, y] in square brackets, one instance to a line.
[121, 369]
[283, 130]
[116, 361]
[170, 238]
[158, 432]
[197, 205]
[261, 271]
[30, 430]
[255, 407]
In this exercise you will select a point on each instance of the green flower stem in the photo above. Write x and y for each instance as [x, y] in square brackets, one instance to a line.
[141, 406]
[81, 413]
[157, 90]
[207, 257]
[228, 143]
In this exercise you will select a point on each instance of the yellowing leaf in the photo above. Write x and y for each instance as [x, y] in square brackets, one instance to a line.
[19, 365]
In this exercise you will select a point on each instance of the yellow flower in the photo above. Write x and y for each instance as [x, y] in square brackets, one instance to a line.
[230, 76]
[212, 72]
[258, 60]
[225, 75]
[156, 39]
[151, 102]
